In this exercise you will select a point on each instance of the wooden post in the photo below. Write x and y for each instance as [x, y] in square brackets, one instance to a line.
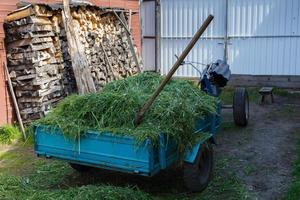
[129, 20]
[12, 93]
[82, 72]
[185, 52]
[122, 19]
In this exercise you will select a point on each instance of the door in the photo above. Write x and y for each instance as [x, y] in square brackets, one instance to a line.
[148, 35]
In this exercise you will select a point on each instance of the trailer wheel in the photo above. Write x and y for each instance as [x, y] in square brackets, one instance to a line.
[241, 107]
[80, 168]
[198, 174]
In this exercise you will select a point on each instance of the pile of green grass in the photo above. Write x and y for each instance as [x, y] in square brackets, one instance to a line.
[8, 133]
[114, 108]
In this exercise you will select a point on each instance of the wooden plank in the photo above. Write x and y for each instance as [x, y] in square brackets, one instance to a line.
[82, 73]
[264, 90]
[129, 20]
[19, 36]
[19, 14]
[28, 41]
[29, 20]
[29, 28]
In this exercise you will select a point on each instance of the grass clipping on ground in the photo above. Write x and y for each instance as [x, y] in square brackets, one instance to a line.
[8, 133]
[114, 108]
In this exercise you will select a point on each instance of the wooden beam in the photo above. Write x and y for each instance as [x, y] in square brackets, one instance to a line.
[19, 14]
[82, 72]
[12, 93]
[129, 20]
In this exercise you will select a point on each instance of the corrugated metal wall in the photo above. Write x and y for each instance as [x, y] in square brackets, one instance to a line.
[263, 35]
[179, 21]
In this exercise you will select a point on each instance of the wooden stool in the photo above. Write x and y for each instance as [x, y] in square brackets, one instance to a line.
[266, 92]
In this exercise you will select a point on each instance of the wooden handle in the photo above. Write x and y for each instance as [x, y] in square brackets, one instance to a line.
[185, 52]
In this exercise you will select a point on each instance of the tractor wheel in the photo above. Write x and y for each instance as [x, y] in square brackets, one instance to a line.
[80, 168]
[241, 107]
[198, 174]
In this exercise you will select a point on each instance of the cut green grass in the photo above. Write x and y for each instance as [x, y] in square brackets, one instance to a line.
[228, 93]
[16, 188]
[8, 133]
[174, 112]
[286, 93]
[23, 176]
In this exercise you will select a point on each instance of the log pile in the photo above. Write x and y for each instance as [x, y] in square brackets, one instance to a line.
[34, 61]
[38, 56]
[105, 44]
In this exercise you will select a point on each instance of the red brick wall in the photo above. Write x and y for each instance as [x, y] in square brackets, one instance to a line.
[7, 6]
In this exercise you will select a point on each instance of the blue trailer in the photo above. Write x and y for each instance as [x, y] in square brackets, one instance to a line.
[117, 152]
[121, 153]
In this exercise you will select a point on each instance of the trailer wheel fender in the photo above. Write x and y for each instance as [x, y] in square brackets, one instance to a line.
[197, 175]
[191, 155]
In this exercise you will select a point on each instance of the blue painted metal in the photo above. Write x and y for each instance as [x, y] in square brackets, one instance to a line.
[210, 125]
[116, 152]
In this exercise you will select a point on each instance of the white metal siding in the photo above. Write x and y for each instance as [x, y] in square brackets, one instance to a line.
[265, 56]
[264, 35]
[182, 19]
[179, 22]
[204, 51]
[264, 18]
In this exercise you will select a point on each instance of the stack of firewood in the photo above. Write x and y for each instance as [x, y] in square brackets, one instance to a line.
[39, 59]
[34, 61]
[61, 46]
[105, 43]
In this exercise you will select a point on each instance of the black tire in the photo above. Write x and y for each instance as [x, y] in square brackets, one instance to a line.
[80, 168]
[196, 176]
[241, 107]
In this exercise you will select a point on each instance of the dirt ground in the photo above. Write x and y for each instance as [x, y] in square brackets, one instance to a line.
[262, 154]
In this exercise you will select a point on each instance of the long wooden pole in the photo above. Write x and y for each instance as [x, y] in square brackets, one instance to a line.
[82, 72]
[185, 52]
[12, 93]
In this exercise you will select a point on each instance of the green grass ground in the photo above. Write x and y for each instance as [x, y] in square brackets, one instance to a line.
[24, 176]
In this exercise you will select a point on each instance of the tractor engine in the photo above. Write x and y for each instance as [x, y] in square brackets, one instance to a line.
[215, 77]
